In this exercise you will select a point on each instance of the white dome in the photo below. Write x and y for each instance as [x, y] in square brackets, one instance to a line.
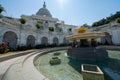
[44, 11]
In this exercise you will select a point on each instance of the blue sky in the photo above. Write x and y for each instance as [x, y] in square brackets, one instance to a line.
[76, 12]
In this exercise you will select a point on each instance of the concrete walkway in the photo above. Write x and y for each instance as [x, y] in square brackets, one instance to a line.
[7, 60]
[22, 68]
[5, 64]
[10, 56]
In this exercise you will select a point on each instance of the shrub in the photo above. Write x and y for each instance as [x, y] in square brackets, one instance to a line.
[70, 29]
[95, 24]
[22, 20]
[81, 29]
[51, 28]
[118, 20]
[41, 46]
[13, 49]
[107, 21]
[38, 25]
[63, 44]
[22, 48]
[4, 47]
[38, 46]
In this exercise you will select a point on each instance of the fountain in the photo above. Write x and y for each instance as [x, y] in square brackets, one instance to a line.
[37, 64]
[84, 46]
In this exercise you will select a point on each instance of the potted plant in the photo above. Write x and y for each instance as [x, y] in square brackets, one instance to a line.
[70, 29]
[51, 29]
[81, 29]
[22, 20]
[38, 25]
[1, 8]
[118, 20]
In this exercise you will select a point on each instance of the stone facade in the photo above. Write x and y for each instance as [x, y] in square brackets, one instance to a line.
[112, 29]
[15, 33]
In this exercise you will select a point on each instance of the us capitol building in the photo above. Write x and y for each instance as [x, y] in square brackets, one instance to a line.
[17, 34]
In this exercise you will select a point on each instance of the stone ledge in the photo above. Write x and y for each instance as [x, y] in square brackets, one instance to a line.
[92, 72]
[6, 57]
[24, 69]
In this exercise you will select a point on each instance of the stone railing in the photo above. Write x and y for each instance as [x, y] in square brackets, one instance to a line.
[10, 21]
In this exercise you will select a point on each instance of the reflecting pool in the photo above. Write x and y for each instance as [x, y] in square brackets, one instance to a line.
[70, 69]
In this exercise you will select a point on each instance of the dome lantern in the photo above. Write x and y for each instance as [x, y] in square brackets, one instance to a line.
[44, 5]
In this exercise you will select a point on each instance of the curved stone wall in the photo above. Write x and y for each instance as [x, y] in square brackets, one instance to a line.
[24, 69]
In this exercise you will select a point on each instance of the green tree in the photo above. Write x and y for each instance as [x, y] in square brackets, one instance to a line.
[95, 24]
[118, 20]
[112, 17]
[1, 8]
[107, 21]
[102, 21]
[22, 20]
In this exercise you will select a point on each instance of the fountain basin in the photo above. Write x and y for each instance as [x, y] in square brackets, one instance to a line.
[24, 69]
[35, 66]
[92, 72]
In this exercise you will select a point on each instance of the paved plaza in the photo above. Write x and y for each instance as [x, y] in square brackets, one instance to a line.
[22, 67]
[7, 60]
[5, 64]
